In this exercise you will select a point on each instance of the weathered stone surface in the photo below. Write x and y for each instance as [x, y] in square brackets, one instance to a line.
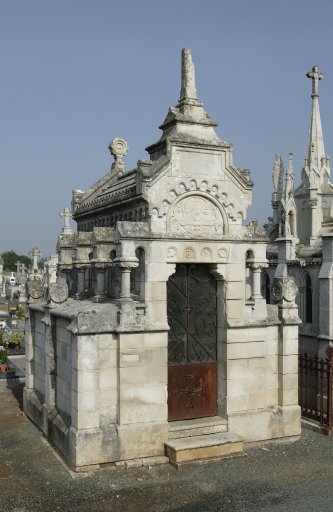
[99, 353]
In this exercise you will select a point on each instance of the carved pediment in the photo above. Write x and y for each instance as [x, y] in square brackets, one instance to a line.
[195, 215]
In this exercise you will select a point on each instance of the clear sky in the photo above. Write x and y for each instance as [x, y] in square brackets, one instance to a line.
[77, 73]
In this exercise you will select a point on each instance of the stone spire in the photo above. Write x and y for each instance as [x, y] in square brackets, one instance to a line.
[188, 92]
[188, 117]
[315, 158]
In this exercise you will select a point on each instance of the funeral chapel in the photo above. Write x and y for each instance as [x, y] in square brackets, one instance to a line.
[154, 343]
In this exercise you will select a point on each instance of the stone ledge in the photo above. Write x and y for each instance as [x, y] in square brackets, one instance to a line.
[203, 447]
[197, 427]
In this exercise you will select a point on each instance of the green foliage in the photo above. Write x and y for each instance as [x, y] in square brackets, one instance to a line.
[20, 312]
[3, 355]
[17, 338]
[10, 258]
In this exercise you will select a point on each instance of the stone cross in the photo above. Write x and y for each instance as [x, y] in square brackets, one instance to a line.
[188, 89]
[315, 76]
[66, 214]
[34, 254]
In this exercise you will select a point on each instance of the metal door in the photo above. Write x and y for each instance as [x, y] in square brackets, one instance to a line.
[192, 354]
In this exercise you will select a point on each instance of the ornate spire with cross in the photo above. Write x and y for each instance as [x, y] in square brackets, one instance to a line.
[66, 213]
[316, 149]
[315, 76]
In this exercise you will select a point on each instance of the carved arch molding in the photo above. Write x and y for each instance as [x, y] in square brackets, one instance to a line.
[195, 215]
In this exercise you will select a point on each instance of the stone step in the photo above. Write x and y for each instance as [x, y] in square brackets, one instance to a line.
[197, 427]
[203, 447]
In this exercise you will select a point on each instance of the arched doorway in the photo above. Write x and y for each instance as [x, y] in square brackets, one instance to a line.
[192, 349]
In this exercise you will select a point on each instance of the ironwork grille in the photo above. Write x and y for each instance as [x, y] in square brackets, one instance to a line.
[192, 315]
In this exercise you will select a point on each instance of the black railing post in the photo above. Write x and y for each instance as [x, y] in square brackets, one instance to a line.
[329, 353]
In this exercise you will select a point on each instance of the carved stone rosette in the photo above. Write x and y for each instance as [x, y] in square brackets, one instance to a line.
[284, 289]
[118, 149]
[35, 289]
[58, 292]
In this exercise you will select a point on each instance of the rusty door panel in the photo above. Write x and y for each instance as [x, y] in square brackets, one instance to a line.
[192, 391]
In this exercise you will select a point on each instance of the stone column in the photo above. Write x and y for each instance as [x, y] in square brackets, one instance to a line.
[256, 274]
[49, 400]
[256, 268]
[325, 291]
[219, 272]
[285, 291]
[284, 254]
[80, 271]
[314, 214]
[126, 264]
[100, 293]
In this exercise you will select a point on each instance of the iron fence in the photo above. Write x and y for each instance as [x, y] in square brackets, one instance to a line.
[315, 380]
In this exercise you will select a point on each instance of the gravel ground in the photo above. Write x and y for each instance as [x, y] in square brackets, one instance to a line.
[272, 477]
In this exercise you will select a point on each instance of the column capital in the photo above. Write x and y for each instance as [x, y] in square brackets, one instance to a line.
[126, 263]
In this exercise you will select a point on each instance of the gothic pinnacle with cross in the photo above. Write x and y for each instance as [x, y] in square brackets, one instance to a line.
[315, 76]
[315, 156]
[66, 214]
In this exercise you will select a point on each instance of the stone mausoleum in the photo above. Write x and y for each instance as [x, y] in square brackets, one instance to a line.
[155, 343]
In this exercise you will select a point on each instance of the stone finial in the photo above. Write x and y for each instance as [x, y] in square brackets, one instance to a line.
[290, 178]
[188, 89]
[278, 172]
[34, 254]
[315, 76]
[66, 213]
[118, 149]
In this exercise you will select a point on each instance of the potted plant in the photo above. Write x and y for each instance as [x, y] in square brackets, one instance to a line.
[3, 360]
[15, 340]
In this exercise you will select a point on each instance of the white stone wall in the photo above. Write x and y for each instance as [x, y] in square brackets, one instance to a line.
[63, 359]
[39, 356]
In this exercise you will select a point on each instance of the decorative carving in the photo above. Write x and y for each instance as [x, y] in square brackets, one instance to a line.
[58, 292]
[171, 253]
[118, 149]
[195, 215]
[192, 315]
[189, 253]
[35, 288]
[126, 263]
[285, 288]
[190, 391]
[222, 254]
[206, 253]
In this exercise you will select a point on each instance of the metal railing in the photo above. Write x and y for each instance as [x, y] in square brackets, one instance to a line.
[315, 380]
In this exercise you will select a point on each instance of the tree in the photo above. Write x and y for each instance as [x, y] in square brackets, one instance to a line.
[10, 258]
